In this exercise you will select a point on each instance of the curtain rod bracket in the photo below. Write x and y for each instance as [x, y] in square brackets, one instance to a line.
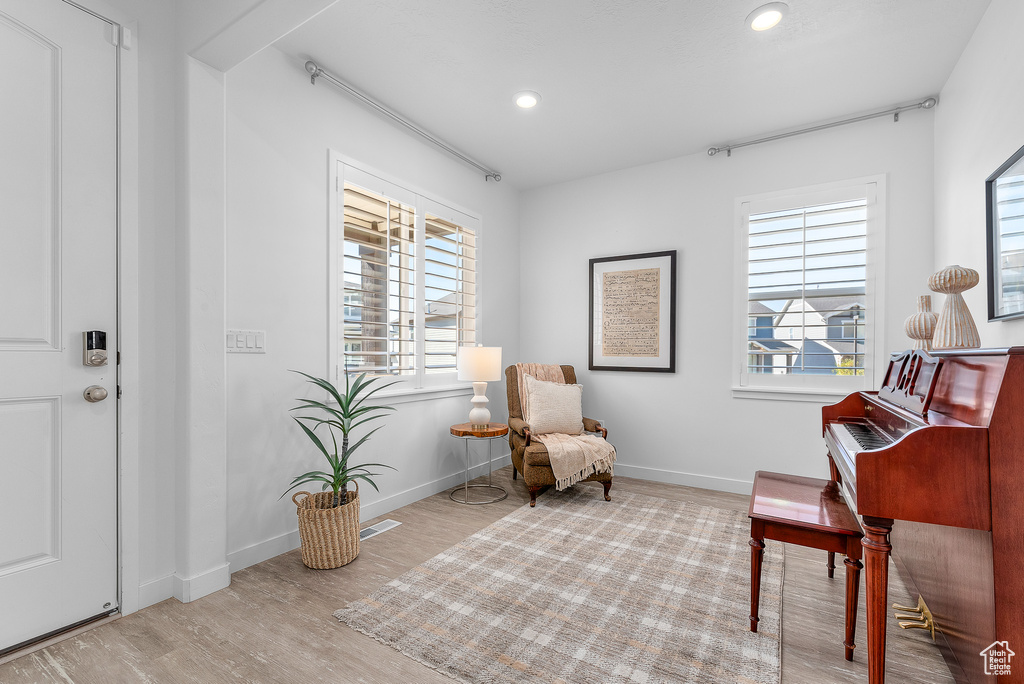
[313, 70]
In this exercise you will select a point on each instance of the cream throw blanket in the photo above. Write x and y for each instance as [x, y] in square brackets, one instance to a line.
[573, 457]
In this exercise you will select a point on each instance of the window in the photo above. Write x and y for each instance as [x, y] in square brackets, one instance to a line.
[804, 277]
[378, 271]
[450, 293]
[404, 281]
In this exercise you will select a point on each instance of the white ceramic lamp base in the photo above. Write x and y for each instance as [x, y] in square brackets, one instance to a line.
[480, 416]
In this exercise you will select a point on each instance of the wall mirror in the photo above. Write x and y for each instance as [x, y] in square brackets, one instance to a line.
[1004, 197]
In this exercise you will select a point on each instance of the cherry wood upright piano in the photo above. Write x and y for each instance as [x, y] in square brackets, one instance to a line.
[936, 458]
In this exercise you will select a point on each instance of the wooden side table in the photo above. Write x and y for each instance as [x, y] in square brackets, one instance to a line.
[466, 432]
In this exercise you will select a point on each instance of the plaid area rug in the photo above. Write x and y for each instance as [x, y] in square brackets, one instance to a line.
[579, 589]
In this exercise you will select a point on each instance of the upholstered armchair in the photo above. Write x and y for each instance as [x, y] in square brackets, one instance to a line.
[529, 457]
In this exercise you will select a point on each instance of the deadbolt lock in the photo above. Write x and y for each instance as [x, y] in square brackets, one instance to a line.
[94, 348]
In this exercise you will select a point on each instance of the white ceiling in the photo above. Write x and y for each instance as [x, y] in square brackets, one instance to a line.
[626, 82]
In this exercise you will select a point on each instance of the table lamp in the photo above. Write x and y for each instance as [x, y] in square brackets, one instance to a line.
[479, 365]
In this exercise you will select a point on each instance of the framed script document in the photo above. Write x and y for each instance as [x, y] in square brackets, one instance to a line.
[633, 312]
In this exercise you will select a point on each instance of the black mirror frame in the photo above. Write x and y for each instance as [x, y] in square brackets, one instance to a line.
[991, 237]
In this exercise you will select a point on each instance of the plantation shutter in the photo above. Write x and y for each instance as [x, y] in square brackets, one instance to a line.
[807, 304]
[404, 285]
[379, 283]
[449, 292]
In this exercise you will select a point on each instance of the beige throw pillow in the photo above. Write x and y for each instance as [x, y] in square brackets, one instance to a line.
[554, 407]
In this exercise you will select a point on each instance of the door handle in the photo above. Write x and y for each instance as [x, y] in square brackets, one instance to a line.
[94, 393]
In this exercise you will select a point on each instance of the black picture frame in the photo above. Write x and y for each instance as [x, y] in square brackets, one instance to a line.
[993, 242]
[665, 360]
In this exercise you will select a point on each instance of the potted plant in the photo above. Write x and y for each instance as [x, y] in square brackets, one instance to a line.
[329, 520]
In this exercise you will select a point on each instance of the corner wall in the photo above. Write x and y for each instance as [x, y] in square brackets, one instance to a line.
[686, 427]
[158, 444]
[978, 125]
[279, 130]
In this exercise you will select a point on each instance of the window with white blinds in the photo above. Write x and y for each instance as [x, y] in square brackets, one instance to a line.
[808, 287]
[449, 293]
[379, 284]
[404, 281]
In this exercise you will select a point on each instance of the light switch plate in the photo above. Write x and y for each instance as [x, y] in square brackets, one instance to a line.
[246, 341]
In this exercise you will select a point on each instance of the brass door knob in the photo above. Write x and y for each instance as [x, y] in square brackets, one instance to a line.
[94, 393]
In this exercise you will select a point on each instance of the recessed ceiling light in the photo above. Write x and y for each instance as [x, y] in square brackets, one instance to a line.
[767, 16]
[527, 99]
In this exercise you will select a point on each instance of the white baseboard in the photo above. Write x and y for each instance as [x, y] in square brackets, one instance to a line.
[257, 553]
[720, 484]
[187, 589]
[265, 550]
[155, 591]
[428, 489]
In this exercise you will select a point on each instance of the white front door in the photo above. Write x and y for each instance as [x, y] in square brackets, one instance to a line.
[58, 278]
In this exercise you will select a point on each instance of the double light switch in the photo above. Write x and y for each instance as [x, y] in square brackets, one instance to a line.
[246, 342]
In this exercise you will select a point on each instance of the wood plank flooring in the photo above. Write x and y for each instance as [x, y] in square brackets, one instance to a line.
[274, 624]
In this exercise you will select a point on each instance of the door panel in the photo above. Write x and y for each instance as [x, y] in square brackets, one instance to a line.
[30, 440]
[58, 273]
[30, 260]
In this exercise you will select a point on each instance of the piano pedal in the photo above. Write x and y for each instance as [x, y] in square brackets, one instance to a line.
[919, 618]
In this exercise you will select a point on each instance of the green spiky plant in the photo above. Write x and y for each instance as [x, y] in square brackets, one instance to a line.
[349, 414]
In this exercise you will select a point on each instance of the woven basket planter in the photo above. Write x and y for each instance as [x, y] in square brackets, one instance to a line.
[329, 536]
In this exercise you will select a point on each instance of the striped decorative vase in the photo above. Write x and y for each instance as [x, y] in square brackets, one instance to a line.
[955, 328]
[920, 327]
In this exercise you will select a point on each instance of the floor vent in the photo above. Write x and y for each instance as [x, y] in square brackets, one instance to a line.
[374, 530]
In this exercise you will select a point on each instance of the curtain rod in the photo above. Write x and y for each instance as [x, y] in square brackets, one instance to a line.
[927, 103]
[315, 71]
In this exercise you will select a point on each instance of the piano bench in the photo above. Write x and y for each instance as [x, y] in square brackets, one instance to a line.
[809, 512]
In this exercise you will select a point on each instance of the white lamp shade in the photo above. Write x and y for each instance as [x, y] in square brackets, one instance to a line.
[480, 364]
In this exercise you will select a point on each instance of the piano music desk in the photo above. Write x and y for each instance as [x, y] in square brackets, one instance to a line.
[809, 512]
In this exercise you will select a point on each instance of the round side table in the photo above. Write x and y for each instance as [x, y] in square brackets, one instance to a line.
[466, 432]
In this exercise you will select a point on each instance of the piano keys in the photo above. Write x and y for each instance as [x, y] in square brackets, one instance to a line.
[940, 445]
[857, 436]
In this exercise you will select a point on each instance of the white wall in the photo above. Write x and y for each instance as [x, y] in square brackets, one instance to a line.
[155, 45]
[686, 427]
[279, 129]
[978, 125]
[156, 274]
[164, 34]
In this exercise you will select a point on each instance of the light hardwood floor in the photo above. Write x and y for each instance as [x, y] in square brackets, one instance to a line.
[274, 624]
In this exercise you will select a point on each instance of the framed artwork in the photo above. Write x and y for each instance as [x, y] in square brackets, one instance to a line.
[633, 313]
[1004, 224]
